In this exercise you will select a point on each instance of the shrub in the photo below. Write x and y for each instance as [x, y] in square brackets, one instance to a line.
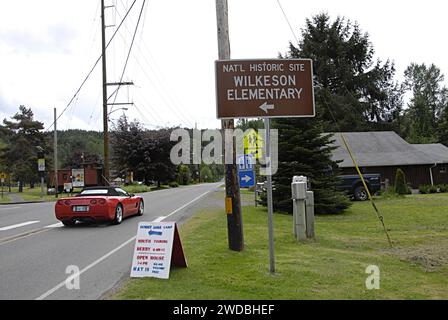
[443, 188]
[174, 185]
[183, 175]
[424, 189]
[433, 189]
[400, 183]
[390, 193]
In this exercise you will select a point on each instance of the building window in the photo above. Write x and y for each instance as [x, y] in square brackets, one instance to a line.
[442, 169]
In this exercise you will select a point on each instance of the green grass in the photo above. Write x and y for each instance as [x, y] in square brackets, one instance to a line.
[143, 188]
[137, 188]
[332, 267]
[5, 199]
[33, 194]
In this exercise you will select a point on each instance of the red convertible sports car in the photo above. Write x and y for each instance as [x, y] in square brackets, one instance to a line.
[98, 204]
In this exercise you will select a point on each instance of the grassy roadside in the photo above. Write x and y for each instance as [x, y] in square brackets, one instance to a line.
[333, 267]
[5, 199]
[33, 194]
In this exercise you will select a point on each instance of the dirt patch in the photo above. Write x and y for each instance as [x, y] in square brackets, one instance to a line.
[429, 256]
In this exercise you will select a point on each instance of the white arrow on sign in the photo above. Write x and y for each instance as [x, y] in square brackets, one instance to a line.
[246, 178]
[265, 107]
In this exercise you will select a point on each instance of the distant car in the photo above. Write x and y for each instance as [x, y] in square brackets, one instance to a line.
[354, 187]
[99, 204]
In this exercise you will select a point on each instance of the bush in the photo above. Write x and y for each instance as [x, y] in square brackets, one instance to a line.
[443, 188]
[390, 193]
[424, 189]
[400, 183]
[133, 188]
[206, 174]
[174, 185]
[433, 189]
[183, 175]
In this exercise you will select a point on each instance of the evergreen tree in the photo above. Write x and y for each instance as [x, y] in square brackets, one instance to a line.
[426, 110]
[360, 91]
[22, 136]
[304, 150]
[401, 187]
[443, 126]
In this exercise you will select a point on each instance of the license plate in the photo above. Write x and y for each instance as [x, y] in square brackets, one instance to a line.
[81, 208]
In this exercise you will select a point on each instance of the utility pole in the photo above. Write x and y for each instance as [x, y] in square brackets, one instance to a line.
[233, 200]
[55, 153]
[105, 111]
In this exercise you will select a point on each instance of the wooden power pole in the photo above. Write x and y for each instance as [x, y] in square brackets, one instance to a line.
[55, 153]
[233, 200]
[106, 173]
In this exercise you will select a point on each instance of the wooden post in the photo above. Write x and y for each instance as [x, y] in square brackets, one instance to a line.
[105, 111]
[234, 216]
[310, 215]
[301, 220]
[55, 153]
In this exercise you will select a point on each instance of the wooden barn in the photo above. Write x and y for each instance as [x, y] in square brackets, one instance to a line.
[384, 152]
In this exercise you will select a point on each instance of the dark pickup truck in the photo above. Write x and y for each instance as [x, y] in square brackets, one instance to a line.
[352, 184]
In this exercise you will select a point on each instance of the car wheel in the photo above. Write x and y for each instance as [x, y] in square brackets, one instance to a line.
[141, 208]
[118, 214]
[361, 194]
[69, 223]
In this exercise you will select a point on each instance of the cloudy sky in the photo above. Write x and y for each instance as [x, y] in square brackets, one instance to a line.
[47, 47]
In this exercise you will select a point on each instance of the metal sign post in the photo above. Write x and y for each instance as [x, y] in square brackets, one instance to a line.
[41, 168]
[267, 126]
[265, 88]
[3, 183]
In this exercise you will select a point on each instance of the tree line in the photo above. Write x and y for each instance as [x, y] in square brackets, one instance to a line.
[145, 153]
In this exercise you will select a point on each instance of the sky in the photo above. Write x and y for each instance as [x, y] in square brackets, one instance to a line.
[47, 48]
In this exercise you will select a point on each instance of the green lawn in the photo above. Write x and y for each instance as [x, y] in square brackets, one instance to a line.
[332, 267]
[5, 199]
[33, 194]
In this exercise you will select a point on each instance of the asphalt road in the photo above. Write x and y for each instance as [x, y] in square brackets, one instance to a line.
[36, 250]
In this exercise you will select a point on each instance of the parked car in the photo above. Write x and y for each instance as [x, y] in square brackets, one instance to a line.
[353, 185]
[98, 204]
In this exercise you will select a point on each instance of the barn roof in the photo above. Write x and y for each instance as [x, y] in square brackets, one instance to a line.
[385, 148]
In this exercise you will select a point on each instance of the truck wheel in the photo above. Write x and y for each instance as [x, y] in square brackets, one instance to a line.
[361, 194]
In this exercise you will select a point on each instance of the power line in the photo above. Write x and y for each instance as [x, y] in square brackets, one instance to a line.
[93, 68]
[129, 54]
[287, 21]
[171, 104]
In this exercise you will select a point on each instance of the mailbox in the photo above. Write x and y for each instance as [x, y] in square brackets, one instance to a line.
[299, 187]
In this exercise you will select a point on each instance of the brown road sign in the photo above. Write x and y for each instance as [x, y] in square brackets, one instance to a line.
[264, 88]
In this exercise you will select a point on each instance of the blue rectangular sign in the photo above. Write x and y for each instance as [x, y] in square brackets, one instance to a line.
[246, 178]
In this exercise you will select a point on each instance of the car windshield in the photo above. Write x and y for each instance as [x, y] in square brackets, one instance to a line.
[100, 192]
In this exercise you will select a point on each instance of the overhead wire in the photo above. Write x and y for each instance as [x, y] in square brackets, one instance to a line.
[158, 85]
[91, 70]
[287, 21]
[128, 56]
